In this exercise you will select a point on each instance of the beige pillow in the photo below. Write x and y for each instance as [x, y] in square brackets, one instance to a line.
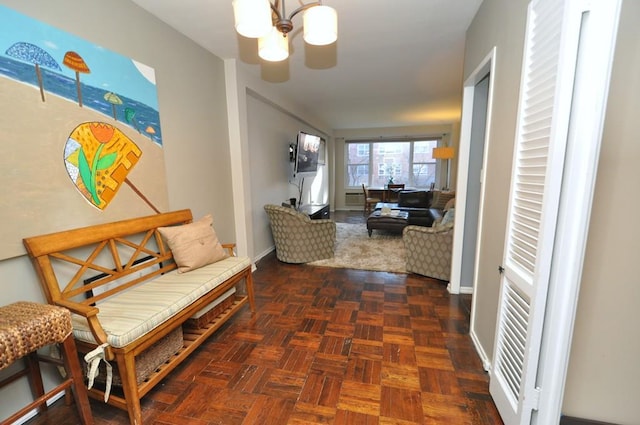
[440, 199]
[194, 245]
[450, 204]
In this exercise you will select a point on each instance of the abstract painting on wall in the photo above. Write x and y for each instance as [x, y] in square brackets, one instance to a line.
[81, 137]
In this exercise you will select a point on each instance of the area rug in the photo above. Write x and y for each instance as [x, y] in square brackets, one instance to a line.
[382, 251]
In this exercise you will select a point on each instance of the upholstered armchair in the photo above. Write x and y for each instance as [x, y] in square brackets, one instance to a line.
[428, 250]
[299, 239]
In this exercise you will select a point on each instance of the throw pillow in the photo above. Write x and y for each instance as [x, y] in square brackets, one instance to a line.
[194, 245]
[448, 217]
[440, 199]
[450, 204]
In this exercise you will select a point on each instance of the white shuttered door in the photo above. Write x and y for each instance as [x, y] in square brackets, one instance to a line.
[543, 117]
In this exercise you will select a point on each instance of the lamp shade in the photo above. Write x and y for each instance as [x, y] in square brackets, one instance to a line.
[320, 25]
[445, 152]
[274, 47]
[252, 17]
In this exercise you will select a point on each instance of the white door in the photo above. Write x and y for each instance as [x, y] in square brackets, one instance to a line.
[551, 44]
[568, 53]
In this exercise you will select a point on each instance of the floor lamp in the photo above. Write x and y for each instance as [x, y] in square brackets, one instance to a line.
[445, 153]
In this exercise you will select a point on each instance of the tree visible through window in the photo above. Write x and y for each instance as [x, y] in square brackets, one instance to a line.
[409, 162]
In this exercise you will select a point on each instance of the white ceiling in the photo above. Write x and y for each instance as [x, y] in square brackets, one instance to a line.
[396, 62]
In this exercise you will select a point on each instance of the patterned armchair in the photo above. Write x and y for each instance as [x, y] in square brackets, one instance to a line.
[429, 250]
[299, 239]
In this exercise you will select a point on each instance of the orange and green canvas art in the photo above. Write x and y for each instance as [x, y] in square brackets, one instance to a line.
[81, 136]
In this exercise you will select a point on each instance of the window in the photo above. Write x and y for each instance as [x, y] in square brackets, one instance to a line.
[407, 162]
[363, 150]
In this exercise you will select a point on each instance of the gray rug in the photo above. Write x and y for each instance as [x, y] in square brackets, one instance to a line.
[356, 250]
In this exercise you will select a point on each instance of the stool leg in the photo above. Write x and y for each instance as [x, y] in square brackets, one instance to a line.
[35, 378]
[72, 365]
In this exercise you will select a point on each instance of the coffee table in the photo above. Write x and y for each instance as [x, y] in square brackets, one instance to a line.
[395, 222]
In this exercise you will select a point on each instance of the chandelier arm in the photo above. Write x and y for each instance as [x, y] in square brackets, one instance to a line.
[303, 7]
[274, 8]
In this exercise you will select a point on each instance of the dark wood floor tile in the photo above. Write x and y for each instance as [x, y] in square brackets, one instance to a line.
[439, 381]
[447, 409]
[363, 370]
[314, 326]
[311, 414]
[434, 358]
[268, 356]
[336, 345]
[194, 401]
[400, 376]
[248, 378]
[397, 336]
[395, 320]
[321, 390]
[343, 315]
[339, 329]
[368, 332]
[330, 365]
[304, 340]
[347, 417]
[296, 360]
[280, 384]
[370, 318]
[277, 337]
[359, 397]
[270, 411]
[366, 349]
[401, 403]
[396, 353]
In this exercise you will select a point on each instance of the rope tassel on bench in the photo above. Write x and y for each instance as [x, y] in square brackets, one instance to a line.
[93, 359]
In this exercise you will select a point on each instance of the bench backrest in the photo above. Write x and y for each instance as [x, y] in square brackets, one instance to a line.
[89, 264]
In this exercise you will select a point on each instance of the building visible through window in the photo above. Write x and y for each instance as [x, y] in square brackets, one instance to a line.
[405, 161]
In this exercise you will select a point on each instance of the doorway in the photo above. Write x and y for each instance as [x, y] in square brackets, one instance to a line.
[476, 110]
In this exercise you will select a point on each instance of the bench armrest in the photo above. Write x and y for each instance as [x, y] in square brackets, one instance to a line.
[230, 248]
[91, 314]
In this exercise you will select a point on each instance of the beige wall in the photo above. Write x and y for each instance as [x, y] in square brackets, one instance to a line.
[603, 370]
[191, 95]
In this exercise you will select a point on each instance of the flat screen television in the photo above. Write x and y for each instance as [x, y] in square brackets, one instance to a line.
[307, 150]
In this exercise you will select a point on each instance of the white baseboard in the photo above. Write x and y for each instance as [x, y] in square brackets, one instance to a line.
[486, 362]
[466, 289]
[32, 413]
[263, 254]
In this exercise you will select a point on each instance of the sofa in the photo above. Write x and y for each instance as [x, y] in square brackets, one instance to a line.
[424, 207]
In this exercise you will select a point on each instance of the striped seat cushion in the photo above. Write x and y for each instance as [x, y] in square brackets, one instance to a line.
[132, 313]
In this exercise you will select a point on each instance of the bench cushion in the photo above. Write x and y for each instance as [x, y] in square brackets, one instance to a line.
[132, 313]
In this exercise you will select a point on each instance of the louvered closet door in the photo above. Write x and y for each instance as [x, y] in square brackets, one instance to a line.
[543, 116]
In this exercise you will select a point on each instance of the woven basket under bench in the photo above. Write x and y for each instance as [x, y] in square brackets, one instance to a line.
[124, 291]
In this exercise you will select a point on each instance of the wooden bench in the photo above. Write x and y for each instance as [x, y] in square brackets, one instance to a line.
[101, 272]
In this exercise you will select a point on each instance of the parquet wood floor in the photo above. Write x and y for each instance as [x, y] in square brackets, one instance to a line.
[327, 346]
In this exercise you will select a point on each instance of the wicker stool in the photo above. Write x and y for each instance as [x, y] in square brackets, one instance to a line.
[24, 328]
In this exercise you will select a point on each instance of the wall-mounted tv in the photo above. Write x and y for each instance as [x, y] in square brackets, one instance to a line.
[306, 158]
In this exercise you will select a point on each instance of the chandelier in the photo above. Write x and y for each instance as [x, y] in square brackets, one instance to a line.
[268, 22]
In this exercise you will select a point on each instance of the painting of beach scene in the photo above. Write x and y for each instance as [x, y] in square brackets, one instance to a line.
[81, 136]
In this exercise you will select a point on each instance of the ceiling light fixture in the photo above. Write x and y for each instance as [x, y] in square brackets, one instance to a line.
[269, 23]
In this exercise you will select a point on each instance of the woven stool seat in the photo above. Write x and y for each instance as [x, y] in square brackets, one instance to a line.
[26, 327]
